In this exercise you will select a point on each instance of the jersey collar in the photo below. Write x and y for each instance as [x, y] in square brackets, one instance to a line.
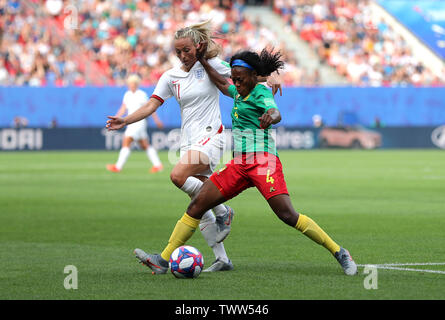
[178, 72]
[247, 97]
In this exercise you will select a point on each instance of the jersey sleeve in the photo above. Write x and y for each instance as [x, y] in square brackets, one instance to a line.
[222, 67]
[232, 91]
[162, 91]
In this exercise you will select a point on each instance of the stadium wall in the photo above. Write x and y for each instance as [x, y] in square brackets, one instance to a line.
[75, 107]
[288, 138]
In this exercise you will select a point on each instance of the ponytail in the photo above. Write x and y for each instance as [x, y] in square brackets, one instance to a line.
[200, 32]
[264, 63]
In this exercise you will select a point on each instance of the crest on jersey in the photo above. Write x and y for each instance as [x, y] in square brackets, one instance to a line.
[199, 74]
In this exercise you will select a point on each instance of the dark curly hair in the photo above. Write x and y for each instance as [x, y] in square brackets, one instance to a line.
[264, 63]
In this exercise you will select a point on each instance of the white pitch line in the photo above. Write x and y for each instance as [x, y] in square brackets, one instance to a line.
[411, 264]
[380, 266]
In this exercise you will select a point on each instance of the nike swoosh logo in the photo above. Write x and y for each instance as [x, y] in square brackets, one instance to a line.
[204, 227]
[228, 222]
[148, 261]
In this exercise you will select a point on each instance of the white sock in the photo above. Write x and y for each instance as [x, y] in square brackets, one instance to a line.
[220, 252]
[220, 210]
[123, 156]
[152, 154]
[208, 229]
[192, 186]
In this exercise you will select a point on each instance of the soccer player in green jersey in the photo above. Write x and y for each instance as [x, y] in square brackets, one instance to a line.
[255, 162]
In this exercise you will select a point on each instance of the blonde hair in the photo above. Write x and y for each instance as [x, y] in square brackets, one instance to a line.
[200, 32]
[133, 78]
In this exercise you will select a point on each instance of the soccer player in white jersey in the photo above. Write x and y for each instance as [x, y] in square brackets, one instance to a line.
[134, 98]
[202, 139]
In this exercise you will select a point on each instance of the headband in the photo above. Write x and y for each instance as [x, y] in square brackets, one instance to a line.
[241, 63]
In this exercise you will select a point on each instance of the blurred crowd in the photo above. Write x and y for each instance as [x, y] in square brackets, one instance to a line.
[344, 35]
[63, 43]
[98, 42]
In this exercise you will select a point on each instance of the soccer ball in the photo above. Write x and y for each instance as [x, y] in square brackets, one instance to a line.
[186, 262]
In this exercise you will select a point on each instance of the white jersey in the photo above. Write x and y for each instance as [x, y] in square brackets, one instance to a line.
[133, 101]
[198, 99]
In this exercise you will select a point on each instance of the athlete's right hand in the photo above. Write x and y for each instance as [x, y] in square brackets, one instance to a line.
[115, 123]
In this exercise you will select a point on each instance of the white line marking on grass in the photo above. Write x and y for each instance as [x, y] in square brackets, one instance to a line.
[412, 264]
[397, 266]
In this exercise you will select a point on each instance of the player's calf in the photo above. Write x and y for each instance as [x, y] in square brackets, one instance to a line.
[282, 207]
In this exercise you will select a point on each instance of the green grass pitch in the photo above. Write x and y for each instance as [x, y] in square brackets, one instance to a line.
[64, 208]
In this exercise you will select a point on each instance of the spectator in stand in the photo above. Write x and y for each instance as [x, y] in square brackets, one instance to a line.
[117, 38]
[345, 36]
[19, 122]
[4, 76]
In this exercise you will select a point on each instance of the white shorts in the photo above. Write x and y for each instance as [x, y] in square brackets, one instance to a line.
[137, 132]
[212, 147]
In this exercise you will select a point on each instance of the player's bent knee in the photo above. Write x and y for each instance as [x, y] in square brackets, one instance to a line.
[195, 208]
[177, 179]
[288, 217]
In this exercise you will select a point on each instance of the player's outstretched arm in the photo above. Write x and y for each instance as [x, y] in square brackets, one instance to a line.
[220, 82]
[121, 110]
[157, 120]
[116, 123]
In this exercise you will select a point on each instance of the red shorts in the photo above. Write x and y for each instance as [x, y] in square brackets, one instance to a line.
[262, 170]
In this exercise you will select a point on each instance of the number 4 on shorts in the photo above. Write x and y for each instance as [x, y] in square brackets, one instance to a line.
[268, 178]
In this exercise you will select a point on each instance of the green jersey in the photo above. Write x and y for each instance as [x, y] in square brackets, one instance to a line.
[246, 131]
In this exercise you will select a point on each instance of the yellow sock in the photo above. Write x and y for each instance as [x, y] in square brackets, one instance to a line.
[311, 229]
[183, 231]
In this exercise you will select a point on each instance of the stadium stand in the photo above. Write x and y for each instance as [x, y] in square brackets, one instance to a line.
[110, 39]
[43, 45]
[345, 36]
[320, 74]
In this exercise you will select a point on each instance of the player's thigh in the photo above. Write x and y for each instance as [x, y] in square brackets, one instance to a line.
[231, 180]
[269, 180]
[191, 163]
[127, 141]
[214, 150]
[193, 157]
[136, 131]
[211, 151]
[267, 176]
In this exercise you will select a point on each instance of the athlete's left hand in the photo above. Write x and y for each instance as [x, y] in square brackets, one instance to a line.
[272, 116]
[265, 121]
[201, 49]
[274, 81]
[275, 88]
